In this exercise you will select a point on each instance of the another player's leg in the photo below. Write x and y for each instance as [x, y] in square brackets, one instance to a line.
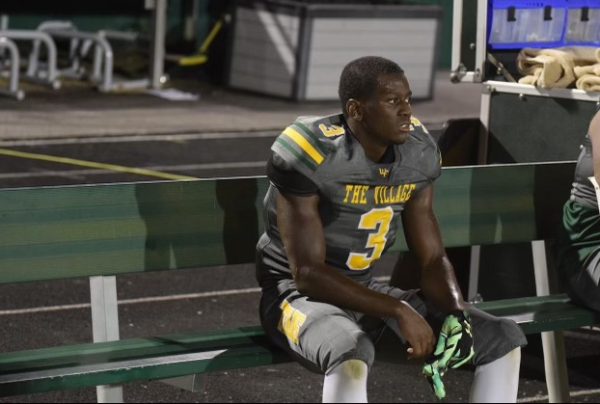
[583, 283]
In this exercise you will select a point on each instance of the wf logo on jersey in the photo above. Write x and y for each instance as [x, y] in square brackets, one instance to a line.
[384, 172]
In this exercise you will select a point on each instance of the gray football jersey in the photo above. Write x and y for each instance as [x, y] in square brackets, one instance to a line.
[360, 201]
[583, 191]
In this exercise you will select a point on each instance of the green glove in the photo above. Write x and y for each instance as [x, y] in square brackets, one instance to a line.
[434, 377]
[454, 349]
[455, 344]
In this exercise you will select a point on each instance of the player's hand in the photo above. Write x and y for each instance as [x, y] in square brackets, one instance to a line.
[417, 332]
[455, 344]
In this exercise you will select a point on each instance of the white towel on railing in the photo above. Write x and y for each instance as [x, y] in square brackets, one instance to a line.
[554, 68]
[588, 82]
[584, 70]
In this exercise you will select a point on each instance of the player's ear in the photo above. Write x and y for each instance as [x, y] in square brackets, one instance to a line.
[354, 109]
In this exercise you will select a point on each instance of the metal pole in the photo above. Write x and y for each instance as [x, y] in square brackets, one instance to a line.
[457, 24]
[158, 43]
[481, 41]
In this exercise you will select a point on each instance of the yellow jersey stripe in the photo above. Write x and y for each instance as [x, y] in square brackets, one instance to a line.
[304, 144]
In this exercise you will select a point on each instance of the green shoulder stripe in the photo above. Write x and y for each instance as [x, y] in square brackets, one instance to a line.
[283, 147]
[303, 144]
[314, 138]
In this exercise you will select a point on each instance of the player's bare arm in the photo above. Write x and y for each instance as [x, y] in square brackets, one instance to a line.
[423, 236]
[302, 234]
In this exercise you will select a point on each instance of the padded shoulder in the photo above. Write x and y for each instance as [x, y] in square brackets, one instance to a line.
[327, 127]
[305, 144]
[429, 159]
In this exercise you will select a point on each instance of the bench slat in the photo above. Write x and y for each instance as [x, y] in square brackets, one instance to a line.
[61, 232]
[116, 362]
[544, 313]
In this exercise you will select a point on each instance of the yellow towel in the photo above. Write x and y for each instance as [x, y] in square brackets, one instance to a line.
[546, 68]
[582, 55]
[589, 82]
[589, 69]
[532, 78]
[554, 68]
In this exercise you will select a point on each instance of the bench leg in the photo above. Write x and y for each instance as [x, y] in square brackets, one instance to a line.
[555, 361]
[193, 383]
[555, 365]
[105, 326]
[473, 295]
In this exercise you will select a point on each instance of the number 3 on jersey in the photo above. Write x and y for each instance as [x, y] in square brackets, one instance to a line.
[379, 221]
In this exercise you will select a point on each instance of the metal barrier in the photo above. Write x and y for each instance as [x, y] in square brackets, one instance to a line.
[15, 61]
[74, 71]
[49, 76]
[102, 73]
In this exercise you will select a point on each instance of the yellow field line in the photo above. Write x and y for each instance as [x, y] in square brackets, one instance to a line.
[92, 164]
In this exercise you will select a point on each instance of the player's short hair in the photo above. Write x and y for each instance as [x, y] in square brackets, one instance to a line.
[359, 77]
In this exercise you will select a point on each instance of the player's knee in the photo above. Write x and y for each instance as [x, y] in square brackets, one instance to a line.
[509, 330]
[353, 347]
[504, 337]
[354, 369]
[514, 357]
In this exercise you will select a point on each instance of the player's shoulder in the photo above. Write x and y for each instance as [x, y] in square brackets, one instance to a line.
[323, 128]
[422, 151]
[309, 140]
[420, 134]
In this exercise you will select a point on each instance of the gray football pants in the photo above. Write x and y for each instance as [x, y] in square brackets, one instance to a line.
[321, 336]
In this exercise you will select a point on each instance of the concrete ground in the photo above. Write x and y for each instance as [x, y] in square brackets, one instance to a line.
[79, 111]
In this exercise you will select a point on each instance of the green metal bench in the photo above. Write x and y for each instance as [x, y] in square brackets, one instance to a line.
[105, 230]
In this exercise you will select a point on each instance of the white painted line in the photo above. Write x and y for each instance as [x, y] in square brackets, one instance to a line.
[151, 299]
[174, 168]
[140, 138]
[541, 398]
